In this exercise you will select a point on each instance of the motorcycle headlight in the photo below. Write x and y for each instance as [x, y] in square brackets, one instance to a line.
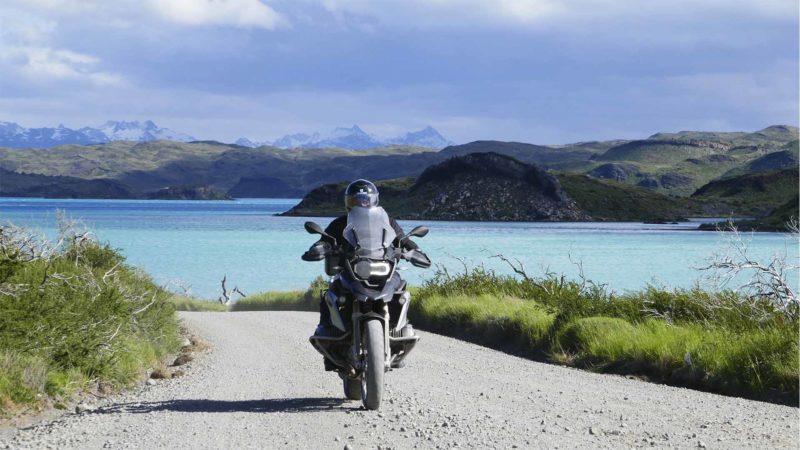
[367, 269]
[379, 269]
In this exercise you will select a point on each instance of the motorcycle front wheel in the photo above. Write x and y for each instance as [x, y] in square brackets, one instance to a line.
[372, 375]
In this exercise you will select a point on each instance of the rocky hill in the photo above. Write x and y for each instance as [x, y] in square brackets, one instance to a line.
[490, 186]
[680, 163]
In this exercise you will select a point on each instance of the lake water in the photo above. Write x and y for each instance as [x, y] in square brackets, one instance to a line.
[195, 243]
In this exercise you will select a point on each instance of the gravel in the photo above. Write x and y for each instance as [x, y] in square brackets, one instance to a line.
[263, 386]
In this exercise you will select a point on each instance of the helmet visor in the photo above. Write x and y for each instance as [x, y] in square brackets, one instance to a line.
[362, 200]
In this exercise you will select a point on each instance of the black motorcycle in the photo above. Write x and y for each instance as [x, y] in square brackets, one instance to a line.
[368, 302]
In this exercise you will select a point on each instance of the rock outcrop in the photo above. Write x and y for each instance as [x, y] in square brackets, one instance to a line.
[490, 186]
[477, 186]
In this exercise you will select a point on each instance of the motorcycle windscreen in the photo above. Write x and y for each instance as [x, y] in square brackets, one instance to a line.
[369, 231]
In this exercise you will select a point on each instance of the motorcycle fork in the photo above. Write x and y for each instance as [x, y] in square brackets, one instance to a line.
[358, 319]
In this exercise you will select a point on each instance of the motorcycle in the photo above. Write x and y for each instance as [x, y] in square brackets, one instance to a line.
[367, 300]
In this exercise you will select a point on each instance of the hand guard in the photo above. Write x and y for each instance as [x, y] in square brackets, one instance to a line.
[317, 251]
[417, 258]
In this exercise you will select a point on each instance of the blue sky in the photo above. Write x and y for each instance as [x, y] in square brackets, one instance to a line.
[542, 71]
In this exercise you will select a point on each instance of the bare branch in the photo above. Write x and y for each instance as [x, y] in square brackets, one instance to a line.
[227, 297]
[519, 269]
[766, 280]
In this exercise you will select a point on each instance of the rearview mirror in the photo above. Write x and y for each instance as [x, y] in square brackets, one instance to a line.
[313, 228]
[419, 231]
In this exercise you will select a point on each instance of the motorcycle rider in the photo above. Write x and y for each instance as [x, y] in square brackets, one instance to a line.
[359, 194]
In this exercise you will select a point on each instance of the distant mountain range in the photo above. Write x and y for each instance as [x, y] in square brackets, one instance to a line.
[353, 138]
[13, 135]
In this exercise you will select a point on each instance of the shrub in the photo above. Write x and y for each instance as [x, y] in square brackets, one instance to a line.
[74, 311]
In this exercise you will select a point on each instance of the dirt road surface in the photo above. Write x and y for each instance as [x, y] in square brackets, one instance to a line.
[262, 386]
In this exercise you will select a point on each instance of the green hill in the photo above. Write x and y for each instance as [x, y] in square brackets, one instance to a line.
[781, 218]
[784, 159]
[614, 201]
[751, 194]
[150, 166]
[680, 163]
[14, 184]
[529, 153]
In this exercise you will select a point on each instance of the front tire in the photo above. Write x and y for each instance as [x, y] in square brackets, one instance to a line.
[372, 375]
[352, 388]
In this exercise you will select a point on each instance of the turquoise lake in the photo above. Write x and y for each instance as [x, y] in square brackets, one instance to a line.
[195, 243]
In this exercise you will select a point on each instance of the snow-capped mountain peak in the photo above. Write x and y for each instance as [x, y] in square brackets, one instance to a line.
[16, 136]
[355, 138]
[140, 131]
[10, 129]
[338, 132]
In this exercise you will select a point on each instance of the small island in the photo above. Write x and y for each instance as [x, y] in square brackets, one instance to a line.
[188, 193]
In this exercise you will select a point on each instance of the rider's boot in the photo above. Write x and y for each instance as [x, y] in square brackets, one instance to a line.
[324, 328]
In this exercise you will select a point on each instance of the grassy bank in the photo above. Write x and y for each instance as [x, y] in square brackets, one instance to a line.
[718, 341]
[73, 315]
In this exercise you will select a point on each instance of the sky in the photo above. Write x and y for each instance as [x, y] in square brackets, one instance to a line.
[540, 71]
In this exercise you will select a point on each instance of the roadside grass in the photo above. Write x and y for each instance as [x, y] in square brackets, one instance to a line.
[276, 301]
[716, 341]
[184, 303]
[307, 300]
[757, 361]
[74, 315]
[495, 321]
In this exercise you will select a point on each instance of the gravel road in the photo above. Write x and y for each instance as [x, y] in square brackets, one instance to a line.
[263, 386]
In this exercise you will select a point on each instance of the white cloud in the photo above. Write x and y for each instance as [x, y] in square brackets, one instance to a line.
[240, 13]
[545, 13]
[45, 63]
[26, 52]
[128, 13]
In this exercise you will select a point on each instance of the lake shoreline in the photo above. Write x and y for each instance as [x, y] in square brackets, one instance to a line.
[194, 244]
